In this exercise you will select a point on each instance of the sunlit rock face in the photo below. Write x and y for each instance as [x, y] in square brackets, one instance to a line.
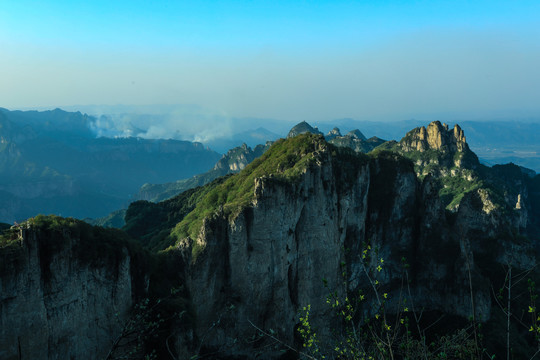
[238, 158]
[437, 136]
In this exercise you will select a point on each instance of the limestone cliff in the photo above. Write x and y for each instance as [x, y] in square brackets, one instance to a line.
[60, 299]
[239, 157]
[249, 251]
[437, 136]
[260, 265]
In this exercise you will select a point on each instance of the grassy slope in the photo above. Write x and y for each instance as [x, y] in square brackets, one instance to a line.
[285, 160]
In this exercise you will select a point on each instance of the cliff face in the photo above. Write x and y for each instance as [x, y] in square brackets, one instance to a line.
[55, 305]
[239, 157]
[272, 258]
[437, 136]
[303, 221]
[262, 266]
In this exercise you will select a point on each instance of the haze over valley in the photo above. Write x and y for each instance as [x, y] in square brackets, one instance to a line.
[270, 180]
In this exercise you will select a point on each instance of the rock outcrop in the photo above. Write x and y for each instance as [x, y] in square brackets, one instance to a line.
[239, 157]
[333, 133]
[437, 136]
[261, 266]
[356, 134]
[251, 250]
[302, 128]
[54, 303]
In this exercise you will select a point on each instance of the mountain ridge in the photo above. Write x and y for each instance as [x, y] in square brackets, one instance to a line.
[51, 162]
[307, 219]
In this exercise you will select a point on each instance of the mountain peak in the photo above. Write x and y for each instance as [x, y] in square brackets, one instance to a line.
[333, 133]
[436, 136]
[356, 134]
[301, 128]
[236, 159]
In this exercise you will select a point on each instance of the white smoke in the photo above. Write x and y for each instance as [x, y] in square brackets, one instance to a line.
[179, 123]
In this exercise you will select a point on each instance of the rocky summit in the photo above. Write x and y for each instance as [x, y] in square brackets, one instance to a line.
[302, 128]
[437, 136]
[409, 251]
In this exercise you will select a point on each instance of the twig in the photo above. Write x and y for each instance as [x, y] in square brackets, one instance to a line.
[168, 349]
[279, 341]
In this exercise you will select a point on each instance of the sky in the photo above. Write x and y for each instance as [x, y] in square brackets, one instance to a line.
[288, 60]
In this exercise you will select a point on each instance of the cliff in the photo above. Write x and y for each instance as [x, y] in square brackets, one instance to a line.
[357, 240]
[65, 290]
[258, 262]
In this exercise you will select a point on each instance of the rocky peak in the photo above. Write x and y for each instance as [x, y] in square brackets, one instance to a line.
[437, 136]
[356, 134]
[303, 127]
[333, 133]
[235, 159]
[356, 141]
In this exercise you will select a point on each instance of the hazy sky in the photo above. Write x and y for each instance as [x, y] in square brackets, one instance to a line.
[291, 60]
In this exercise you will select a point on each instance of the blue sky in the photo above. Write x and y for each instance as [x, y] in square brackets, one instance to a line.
[292, 60]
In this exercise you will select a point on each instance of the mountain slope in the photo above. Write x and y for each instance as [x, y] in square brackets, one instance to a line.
[310, 236]
[233, 161]
[262, 240]
[51, 162]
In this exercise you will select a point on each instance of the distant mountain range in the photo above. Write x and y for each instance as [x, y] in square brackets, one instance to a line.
[497, 138]
[495, 142]
[55, 162]
[51, 162]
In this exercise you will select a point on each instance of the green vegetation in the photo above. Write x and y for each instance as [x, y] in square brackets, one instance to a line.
[286, 160]
[453, 188]
[151, 223]
[457, 173]
[96, 246]
[240, 154]
[11, 253]
[8, 236]
[358, 145]
[383, 322]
